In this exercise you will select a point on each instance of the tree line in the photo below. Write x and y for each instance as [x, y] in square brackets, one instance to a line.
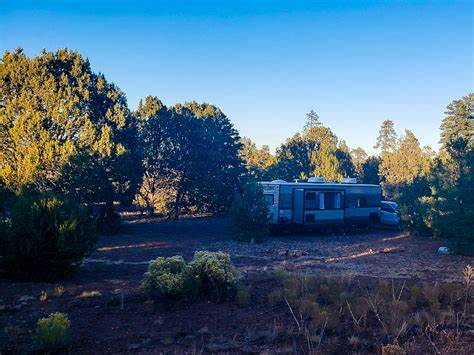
[67, 130]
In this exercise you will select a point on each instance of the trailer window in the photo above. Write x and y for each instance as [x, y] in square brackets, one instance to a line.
[332, 200]
[321, 200]
[362, 202]
[269, 199]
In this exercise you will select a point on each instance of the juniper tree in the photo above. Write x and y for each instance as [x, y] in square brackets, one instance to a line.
[259, 162]
[315, 152]
[63, 128]
[190, 156]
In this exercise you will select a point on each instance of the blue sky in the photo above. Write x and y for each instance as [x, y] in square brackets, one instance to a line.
[267, 63]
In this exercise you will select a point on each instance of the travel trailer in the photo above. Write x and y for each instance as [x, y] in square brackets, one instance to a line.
[320, 203]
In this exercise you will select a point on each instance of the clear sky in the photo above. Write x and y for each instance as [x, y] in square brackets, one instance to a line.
[267, 63]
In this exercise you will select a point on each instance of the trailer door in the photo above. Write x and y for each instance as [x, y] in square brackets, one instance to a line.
[298, 206]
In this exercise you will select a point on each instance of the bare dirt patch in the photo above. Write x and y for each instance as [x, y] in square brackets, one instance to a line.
[110, 315]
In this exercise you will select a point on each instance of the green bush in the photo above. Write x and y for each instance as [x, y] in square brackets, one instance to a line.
[209, 275]
[214, 276]
[108, 221]
[45, 238]
[53, 332]
[249, 214]
[167, 278]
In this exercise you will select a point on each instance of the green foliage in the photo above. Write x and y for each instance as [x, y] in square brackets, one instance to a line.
[369, 171]
[167, 278]
[359, 156]
[260, 163]
[453, 188]
[190, 157]
[64, 128]
[407, 162]
[436, 194]
[108, 221]
[387, 139]
[53, 333]
[366, 167]
[214, 275]
[249, 214]
[209, 275]
[315, 152]
[45, 238]
[414, 206]
[312, 119]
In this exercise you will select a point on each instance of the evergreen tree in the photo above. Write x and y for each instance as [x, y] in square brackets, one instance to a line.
[359, 156]
[369, 171]
[258, 161]
[190, 157]
[453, 200]
[405, 163]
[63, 128]
[387, 139]
[315, 152]
[312, 120]
[343, 155]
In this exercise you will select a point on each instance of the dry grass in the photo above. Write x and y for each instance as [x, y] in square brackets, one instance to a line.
[374, 311]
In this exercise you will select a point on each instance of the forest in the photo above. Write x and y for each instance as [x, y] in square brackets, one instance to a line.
[67, 132]
[75, 159]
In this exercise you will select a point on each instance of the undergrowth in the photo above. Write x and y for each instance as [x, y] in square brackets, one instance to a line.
[374, 313]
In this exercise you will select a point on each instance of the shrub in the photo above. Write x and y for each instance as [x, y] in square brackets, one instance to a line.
[108, 221]
[45, 238]
[53, 332]
[249, 214]
[167, 278]
[214, 275]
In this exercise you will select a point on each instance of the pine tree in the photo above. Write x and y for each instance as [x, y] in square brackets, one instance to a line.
[453, 201]
[406, 163]
[312, 120]
[387, 139]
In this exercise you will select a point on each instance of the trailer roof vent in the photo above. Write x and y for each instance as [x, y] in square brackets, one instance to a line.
[278, 181]
[349, 180]
[316, 179]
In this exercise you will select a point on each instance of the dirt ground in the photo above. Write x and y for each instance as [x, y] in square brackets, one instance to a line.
[109, 314]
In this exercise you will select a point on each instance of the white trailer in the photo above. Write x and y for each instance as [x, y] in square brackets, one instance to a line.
[317, 202]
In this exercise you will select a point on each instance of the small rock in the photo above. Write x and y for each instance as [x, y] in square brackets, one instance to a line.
[443, 250]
